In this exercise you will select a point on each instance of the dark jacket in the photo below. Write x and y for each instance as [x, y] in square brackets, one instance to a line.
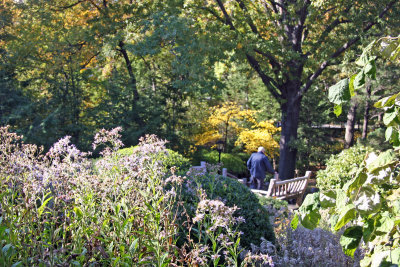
[258, 164]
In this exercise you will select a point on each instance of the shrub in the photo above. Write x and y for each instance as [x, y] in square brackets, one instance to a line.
[57, 210]
[233, 163]
[304, 247]
[233, 193]
[341, 167]
[170, 159]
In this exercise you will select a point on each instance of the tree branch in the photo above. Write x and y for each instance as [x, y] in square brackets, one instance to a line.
[339, 51]
[275, 64]
[228, 20]
[249, 20]
[61, 8]
[264, 77]
[212, 13]
[82, 66]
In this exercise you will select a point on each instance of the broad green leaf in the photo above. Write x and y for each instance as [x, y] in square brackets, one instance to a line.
[387, 101]
[392, 135]
[382, 161]
[370, 70]
[367, 201]
[356, 182]
[396, 207]
[327, 201]
[6, 250]
[363, 59]
[333, 221]
[311, 219]
[388, 117]
[346, 214]
[378, 257]
[350, 240]
[351, 85]
[389, 133]
[385, 224]
[295, 222]
[396, 53]
[337, 110]
[390, 50]
[311, 202]
[341, 199]
[339, 93]
[309, 211]
[395, 256]
[368, 229]
[359, 80]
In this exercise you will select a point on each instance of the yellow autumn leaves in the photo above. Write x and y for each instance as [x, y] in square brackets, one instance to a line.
[231, 123]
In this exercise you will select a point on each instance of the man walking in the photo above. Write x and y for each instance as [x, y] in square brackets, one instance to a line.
[258, 164]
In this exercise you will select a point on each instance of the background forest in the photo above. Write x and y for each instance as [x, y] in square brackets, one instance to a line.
[106, 104]
[193, 72]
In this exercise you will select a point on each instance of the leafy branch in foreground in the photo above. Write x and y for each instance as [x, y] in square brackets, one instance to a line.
[367, 206]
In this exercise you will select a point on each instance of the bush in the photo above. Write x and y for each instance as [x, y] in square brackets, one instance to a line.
[233, 193]
[272, 202]
[233, 163]
[123, 212]
[341, 167]
[169, 159]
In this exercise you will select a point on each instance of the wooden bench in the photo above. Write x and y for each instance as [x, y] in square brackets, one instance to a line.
[286, 189]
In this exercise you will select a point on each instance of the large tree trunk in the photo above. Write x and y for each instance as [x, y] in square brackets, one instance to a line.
[351, 120]
[287, 149]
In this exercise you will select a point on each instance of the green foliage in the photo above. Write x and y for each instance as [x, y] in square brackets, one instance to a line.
[367, 205]
[273, 202]
[341, 92]
[376, 140]
[169, 159]
[231, 192]
[341, 167]
[234, 163]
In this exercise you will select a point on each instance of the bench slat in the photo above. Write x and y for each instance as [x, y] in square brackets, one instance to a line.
[287, 189]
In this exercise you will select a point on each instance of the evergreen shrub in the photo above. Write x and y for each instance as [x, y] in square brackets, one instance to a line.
[257, 224]
[233, 163]
[341, 168]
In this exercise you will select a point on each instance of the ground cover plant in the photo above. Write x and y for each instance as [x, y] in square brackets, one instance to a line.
[57, 209]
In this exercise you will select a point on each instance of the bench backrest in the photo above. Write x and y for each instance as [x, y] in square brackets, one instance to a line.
[295, 186]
